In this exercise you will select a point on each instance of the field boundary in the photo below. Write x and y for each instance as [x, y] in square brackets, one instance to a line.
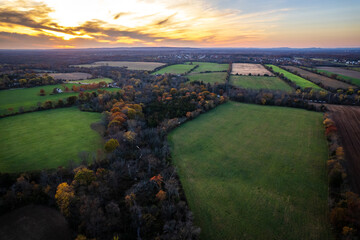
[293, 82]
[320, 84]
[344, 204]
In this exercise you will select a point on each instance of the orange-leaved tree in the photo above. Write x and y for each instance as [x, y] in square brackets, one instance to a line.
[64, 195]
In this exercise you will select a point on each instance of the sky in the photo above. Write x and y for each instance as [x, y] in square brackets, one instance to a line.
[42, 24]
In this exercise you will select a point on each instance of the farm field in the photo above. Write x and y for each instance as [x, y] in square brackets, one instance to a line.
[354, 68]
[209, 67]
[246, 68]
[95, 80]
[347, 122]
[46, 139]
[355, 81]
[70, 76]
[316, 78]
[259, 82]
[254, 172]
[299, 81]
[147, 66]
[341, 71]
[211, 78]
[175, 69]
[29, 97]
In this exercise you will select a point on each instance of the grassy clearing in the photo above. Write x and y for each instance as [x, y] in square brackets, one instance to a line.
[299, 81]
[260, 82]
[211, 78]
[146, 66]
[95, 80]
[29, 97]
[46, 139]
[209, 67]
[255, 172]
[352, 80]
[175, 69]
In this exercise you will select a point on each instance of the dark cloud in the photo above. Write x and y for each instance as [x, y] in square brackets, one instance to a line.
[121, 14]
[166, 20]
[96, 27]
[35, 19]
[26, 18]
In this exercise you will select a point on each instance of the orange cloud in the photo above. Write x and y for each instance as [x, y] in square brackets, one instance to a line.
[101, 23]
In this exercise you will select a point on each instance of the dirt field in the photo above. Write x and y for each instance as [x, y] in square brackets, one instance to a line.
[34, 223]
[146, 66]
[71, 76]
[316, 78]
[347, 120]
[246, 68]
[341, 71]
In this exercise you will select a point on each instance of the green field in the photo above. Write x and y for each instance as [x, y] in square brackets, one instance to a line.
[46, 139]
[255, 172]
[352, 80]
[207, 66]
[29, 97]
[175, 69]
[260, 82]
[299, 81]
[211, 78]
[146, 66]
[95, 80]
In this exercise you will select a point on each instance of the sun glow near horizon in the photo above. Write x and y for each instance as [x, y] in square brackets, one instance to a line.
[109, 23]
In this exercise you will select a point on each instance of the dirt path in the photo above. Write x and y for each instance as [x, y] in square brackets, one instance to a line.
[347, 120]
[34, 222]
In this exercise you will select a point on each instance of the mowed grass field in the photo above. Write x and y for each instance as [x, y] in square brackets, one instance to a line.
[317, 78]
[352, 80]
[46, 139]
[146, 66]
[209, 67]
[259, 82]
[354, 68]
[70, 76]
[175, 69]
[254, 172]
[94, 80]
[29, 97]
[215, 77]
[299, 81]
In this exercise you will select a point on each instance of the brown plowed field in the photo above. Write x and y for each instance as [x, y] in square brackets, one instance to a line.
[246, 68]
[316, 78]
[341, 71]
[347, 120]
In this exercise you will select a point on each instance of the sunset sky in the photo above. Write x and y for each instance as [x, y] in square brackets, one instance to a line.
[180, 23]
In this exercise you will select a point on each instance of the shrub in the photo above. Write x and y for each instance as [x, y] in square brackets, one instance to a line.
[111, 145]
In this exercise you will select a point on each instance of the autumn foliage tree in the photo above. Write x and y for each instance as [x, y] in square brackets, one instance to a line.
[64, 195]
[42, 92]
[111, 145]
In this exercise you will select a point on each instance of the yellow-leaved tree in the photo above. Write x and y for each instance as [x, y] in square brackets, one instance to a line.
[64, 195]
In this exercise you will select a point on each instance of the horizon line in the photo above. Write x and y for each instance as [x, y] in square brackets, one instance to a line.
[261, 48]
